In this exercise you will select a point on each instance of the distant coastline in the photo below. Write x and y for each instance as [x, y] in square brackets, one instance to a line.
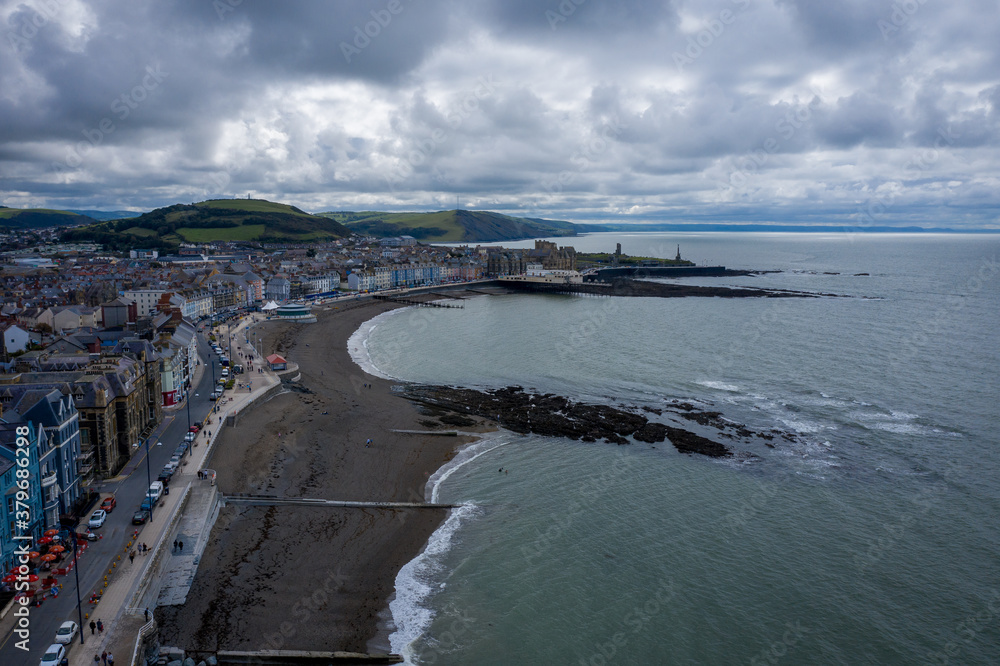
[774, 228]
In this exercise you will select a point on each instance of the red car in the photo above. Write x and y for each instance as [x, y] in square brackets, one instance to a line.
[193, 428]
[108, 504]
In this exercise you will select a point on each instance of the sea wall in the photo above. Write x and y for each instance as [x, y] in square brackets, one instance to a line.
[656, 271]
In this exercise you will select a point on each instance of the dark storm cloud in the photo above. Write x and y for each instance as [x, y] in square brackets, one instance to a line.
[784, 109]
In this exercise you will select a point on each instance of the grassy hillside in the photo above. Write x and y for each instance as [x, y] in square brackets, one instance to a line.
[105, 215]
[36, 218]
[215, 220]
[466, 226]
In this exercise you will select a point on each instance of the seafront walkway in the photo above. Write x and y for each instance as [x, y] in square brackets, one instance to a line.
[183, 515]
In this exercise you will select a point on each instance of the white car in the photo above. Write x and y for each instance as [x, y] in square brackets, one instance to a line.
[97, 519]
[67, 632]
[190, 437]
[53, 655]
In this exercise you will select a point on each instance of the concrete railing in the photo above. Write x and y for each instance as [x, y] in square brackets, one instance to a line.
[158, 552]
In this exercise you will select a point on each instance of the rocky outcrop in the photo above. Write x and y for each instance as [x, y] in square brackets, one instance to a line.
[556, 416]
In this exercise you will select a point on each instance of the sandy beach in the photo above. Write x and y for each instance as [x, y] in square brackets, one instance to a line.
[303, 577]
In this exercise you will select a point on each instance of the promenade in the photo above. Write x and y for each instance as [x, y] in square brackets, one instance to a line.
[183, 515]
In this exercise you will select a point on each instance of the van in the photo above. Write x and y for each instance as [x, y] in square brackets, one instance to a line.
[155, 490]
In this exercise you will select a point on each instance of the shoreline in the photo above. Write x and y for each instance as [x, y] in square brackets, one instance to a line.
[265, 580]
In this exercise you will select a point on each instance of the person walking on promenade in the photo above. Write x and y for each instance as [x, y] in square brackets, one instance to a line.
[104, 658]
[175, 545]
[131, 557]
[97, 659]
[93, 627]
[146, 611]
[180, 544]
[111, 659]
[100, 627]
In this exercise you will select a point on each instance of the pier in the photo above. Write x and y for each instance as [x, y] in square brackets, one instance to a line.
[409, 301]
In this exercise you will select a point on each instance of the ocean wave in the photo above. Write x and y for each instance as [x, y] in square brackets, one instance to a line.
[719, 386]
[463, 457]
[357, 344]
[414, 584]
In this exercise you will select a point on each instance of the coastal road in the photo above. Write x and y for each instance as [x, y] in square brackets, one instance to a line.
[129, 488]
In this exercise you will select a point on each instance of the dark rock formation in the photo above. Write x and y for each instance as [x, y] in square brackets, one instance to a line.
[556, 416]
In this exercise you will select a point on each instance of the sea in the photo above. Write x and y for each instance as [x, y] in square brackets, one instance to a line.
[869, 536]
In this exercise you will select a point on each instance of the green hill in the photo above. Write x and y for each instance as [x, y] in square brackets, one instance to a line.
[104, 215]
[213, 220]
[37, 218]
[467, 226]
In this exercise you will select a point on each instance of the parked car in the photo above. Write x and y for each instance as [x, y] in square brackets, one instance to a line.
[195, 428]
[181, 449]
[97, 519]
[215, 395]
[67, 632]
[109, 504]
[189, 437]
[165, 474]
[53, 655]
[140, 517]
[147, 504]
[199, 424]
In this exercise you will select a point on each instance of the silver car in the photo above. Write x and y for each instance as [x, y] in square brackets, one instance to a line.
[53, 655]
[67, 632]
[97, 519]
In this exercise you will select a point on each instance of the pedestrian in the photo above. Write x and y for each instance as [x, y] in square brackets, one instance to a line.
[131, 557]
[181, 545]
[100, 627]
[175, 544]
[111, 659]
[97, 659]
[104, 657]
[147, 614]
[93, 628]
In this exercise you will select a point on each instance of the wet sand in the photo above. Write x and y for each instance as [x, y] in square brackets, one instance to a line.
[308, 578]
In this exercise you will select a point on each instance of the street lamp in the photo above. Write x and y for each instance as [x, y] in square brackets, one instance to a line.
[76, 570]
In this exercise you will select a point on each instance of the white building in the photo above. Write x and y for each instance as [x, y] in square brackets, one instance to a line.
[361, 281]
[15, 339]
[145, 300]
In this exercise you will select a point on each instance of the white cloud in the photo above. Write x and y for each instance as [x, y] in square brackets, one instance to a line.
[783, 110]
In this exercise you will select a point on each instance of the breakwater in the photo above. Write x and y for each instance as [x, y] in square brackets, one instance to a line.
[641, 288]
[605, 274]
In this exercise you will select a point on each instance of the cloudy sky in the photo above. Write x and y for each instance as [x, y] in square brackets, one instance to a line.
[862, 112]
